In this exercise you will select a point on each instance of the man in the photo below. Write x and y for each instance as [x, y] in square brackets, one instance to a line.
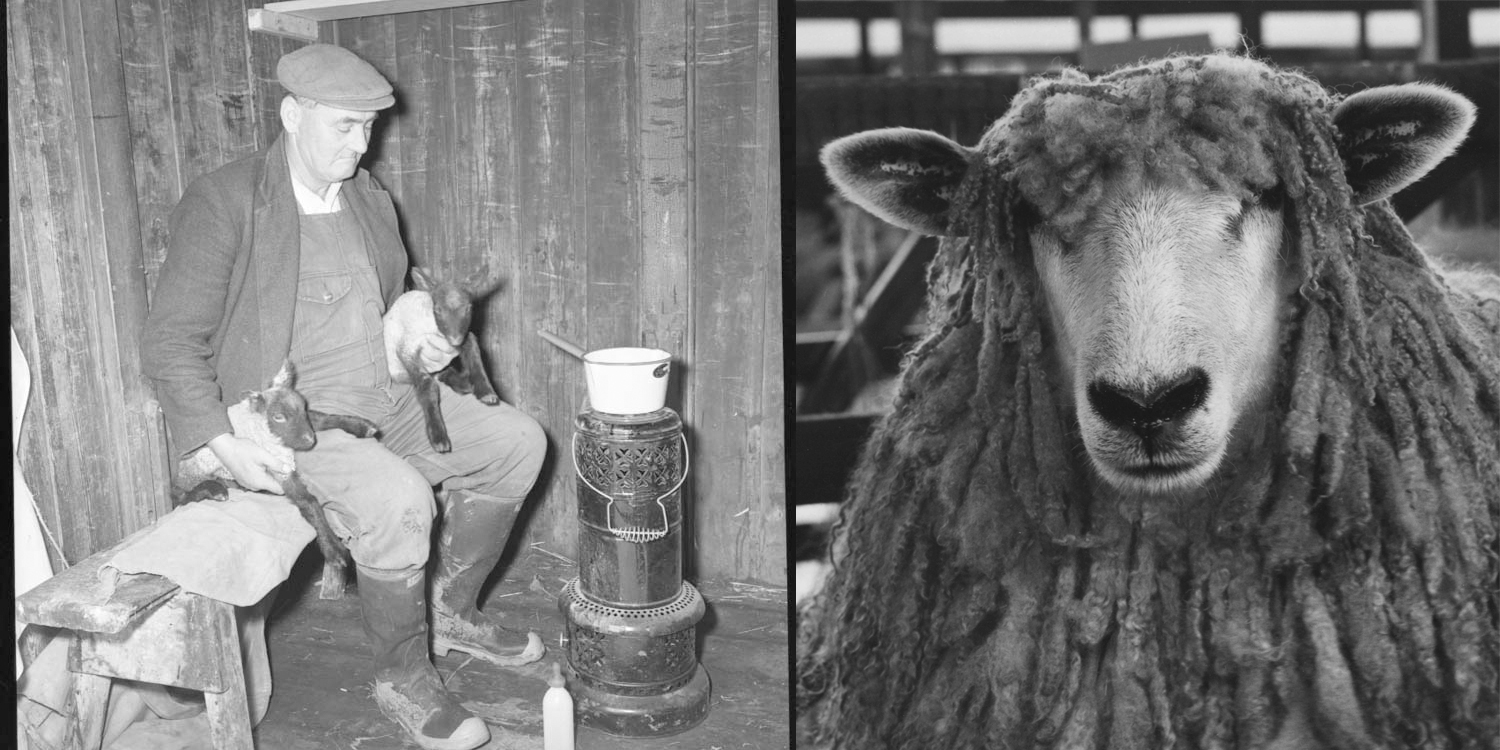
[295, 253]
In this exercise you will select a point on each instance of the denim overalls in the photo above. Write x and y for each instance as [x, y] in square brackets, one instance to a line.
[336, 331]
[379, 494]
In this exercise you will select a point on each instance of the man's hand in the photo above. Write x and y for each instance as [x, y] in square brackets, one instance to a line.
[434, 353]
[250, 464]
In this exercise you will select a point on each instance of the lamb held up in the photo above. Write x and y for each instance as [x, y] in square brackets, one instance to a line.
[276, 419]
[444, 308]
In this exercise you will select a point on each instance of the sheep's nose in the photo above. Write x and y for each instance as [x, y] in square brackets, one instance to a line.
[1147, 410]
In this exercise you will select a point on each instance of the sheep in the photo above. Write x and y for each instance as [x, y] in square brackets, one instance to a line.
[276, 419]
[444, 308]
[1199, 451]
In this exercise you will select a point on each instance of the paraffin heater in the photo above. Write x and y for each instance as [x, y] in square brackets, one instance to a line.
[631, 619]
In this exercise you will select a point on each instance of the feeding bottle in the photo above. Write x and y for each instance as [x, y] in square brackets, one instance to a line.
[557, 713]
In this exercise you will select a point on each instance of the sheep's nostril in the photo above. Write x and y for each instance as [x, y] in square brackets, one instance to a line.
[1148, 409]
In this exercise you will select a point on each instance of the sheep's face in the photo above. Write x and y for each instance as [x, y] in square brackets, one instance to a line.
[1163, 302]
[453, 310]
[452, 303]
[1164, 316]
[285, 410]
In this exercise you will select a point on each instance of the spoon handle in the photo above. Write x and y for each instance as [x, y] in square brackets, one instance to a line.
[562, 344]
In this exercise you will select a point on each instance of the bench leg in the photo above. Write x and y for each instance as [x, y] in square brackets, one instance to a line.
[86, 719]
[33, 640]
[229, 710]
[229, 719]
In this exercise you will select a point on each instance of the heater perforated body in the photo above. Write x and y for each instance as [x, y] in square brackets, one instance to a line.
[631, 619]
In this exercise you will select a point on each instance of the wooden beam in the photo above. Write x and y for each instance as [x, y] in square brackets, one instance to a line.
[1453, 41]
[298, 19]
[282, 24]
[813, 346]
[1053, 8]
[918, 37]
[1250, 29]
[866, 60]
[1363, 45]
[895, 297]
[1427, 46]
[334, 10]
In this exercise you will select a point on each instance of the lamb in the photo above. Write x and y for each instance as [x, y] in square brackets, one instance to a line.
[278, 420]
[445, 308]
[1200, 450]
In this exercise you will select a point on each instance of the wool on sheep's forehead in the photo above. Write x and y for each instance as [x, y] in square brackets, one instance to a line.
[1216, 122]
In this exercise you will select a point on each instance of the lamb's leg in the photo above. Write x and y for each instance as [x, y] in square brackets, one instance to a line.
[427, 395]
[455, 376]
[356, 426]
[208, 489]
[296, 490]
[466, 373]
[478, 379]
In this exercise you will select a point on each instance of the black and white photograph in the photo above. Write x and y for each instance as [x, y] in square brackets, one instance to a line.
[755, 374]
[1147, 391]
[397, 374]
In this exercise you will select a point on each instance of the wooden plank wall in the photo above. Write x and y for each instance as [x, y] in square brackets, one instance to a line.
[612, 164]
[78, 290]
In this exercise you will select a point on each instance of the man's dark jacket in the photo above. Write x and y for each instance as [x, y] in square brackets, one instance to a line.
[221, 316]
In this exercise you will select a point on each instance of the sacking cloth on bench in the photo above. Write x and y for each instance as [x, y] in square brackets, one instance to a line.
[238, 552]
[139, 716]
[234, 551]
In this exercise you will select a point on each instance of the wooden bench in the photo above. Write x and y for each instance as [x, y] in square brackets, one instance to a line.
[142, 628]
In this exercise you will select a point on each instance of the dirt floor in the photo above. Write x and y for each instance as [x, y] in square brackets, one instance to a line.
[321, 666]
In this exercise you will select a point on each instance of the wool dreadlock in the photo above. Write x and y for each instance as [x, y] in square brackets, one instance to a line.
[984, 595]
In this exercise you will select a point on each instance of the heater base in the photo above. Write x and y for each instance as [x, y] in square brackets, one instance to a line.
[657, 715]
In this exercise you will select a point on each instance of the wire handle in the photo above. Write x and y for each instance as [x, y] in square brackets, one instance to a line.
[635, 534]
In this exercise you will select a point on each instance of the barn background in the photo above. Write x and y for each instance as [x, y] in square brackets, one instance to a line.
[613, 163]
[952, 66]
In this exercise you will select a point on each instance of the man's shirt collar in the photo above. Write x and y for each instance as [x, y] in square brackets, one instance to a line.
[311, 203]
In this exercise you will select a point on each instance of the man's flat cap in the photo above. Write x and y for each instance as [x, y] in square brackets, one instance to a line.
[331, 75]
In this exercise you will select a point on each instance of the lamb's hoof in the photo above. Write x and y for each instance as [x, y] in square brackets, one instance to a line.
[441, 445]
[206, 490]
[490, 399]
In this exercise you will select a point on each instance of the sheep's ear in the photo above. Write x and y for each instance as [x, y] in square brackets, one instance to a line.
[421, 280]
[1389, 137]
[907, 177]
[285, 377]
[256, 399]
[479, 285]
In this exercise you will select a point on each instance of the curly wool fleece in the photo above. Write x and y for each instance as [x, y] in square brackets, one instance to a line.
[1210, 122]
[984, 596]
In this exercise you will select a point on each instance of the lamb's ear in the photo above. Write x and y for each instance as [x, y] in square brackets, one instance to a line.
[907, 177]
[480, 285]
[421, 280]
[285, 377]
[1392, 135]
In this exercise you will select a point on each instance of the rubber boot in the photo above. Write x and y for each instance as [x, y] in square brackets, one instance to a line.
[474, 533]
[407, 687]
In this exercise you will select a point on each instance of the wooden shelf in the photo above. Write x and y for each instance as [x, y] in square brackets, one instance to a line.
[299, 19]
